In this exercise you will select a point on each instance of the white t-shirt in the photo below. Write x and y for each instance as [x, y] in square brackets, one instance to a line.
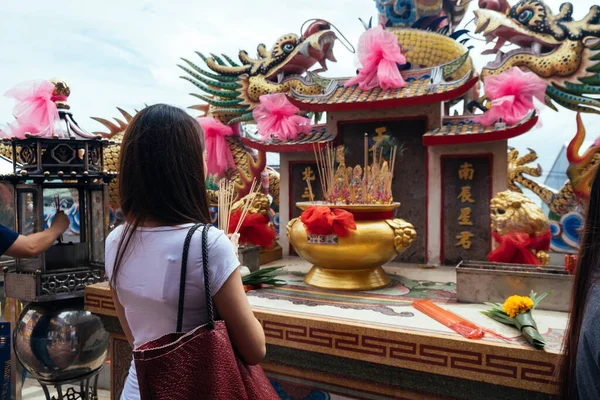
[148, 281]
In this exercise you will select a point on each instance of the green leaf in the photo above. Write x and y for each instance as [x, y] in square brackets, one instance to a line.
[264, 271]
[263, 276]
[524, 320]
[499, 318]
[538, 300]
[533, 337]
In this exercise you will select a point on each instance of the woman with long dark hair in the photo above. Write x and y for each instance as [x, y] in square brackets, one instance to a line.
[580, 366]
[163, 194]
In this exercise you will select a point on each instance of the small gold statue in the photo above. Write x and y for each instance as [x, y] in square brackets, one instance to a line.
[514, 213]
[260, 204]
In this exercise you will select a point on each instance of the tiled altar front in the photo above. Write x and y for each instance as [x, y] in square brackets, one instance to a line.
[375, 344]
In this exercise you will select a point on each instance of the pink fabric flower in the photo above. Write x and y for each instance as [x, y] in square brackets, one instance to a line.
[277, 117]
[379, 53]
[512, 93]
[218, 155]
[35, 111]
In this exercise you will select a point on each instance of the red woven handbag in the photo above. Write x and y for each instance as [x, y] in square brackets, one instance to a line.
[201, 364]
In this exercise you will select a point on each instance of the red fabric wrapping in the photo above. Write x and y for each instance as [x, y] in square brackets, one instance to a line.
[515, 248]
[321, 220]
[255, 229]
[218, 154]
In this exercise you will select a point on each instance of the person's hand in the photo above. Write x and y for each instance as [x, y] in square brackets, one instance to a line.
[234, 239]
[244, 271]
[60, 222]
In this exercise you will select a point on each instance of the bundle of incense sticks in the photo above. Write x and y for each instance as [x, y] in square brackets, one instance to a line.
[325, 165]
[253, 192]
[392, 168]
[449, 319]
[458, 324]
[346, 185]
[226, 196]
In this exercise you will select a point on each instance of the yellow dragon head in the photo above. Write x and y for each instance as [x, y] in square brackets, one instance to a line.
[562, 51]
[233, 90]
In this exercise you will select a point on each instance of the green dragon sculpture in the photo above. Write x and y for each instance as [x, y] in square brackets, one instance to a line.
[566, 54]
[562, 51]
[581, 171]
[232, 90]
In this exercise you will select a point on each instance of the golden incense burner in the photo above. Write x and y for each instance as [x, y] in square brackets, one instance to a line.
[353, 262]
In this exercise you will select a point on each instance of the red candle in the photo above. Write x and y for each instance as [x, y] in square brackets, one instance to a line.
[570, 263]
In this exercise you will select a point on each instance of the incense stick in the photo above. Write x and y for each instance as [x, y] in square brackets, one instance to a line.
[230, 190]
[330, 156]
[226, 196]
[310, 192]
[394, 162]
[321, 175]
[365, 174]
[251, 196]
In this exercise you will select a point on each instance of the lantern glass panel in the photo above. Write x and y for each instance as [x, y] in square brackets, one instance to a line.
[29, 222]
[7, 205]
[71, 250]
[98, 225]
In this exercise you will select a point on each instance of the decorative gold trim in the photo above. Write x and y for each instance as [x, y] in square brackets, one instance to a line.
[495, 363]
[303, 205]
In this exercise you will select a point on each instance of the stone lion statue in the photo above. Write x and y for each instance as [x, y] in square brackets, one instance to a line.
[515, 216]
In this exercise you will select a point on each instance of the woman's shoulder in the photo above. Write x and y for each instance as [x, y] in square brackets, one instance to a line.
[216, 238]
[114, 235]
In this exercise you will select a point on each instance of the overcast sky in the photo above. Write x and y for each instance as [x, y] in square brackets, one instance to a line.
[124, 53]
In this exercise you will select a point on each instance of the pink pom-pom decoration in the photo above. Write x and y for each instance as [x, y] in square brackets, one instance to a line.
[379, 54]
[512, 93]
[35, 112]
[218, 155]
[276, 117]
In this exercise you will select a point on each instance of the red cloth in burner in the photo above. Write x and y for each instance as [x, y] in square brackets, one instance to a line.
[321, 220]
[516, 248]
[255, 229]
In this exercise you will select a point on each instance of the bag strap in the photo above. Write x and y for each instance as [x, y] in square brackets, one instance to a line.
[210, 308]
[184, 260]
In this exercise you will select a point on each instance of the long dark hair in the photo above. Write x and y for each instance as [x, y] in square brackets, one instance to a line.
[586, 273]
[161, 173]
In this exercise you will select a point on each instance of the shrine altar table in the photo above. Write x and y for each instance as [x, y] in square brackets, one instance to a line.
[375, 345]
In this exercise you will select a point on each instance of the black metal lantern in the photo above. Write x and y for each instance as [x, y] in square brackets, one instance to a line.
[62, 169]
